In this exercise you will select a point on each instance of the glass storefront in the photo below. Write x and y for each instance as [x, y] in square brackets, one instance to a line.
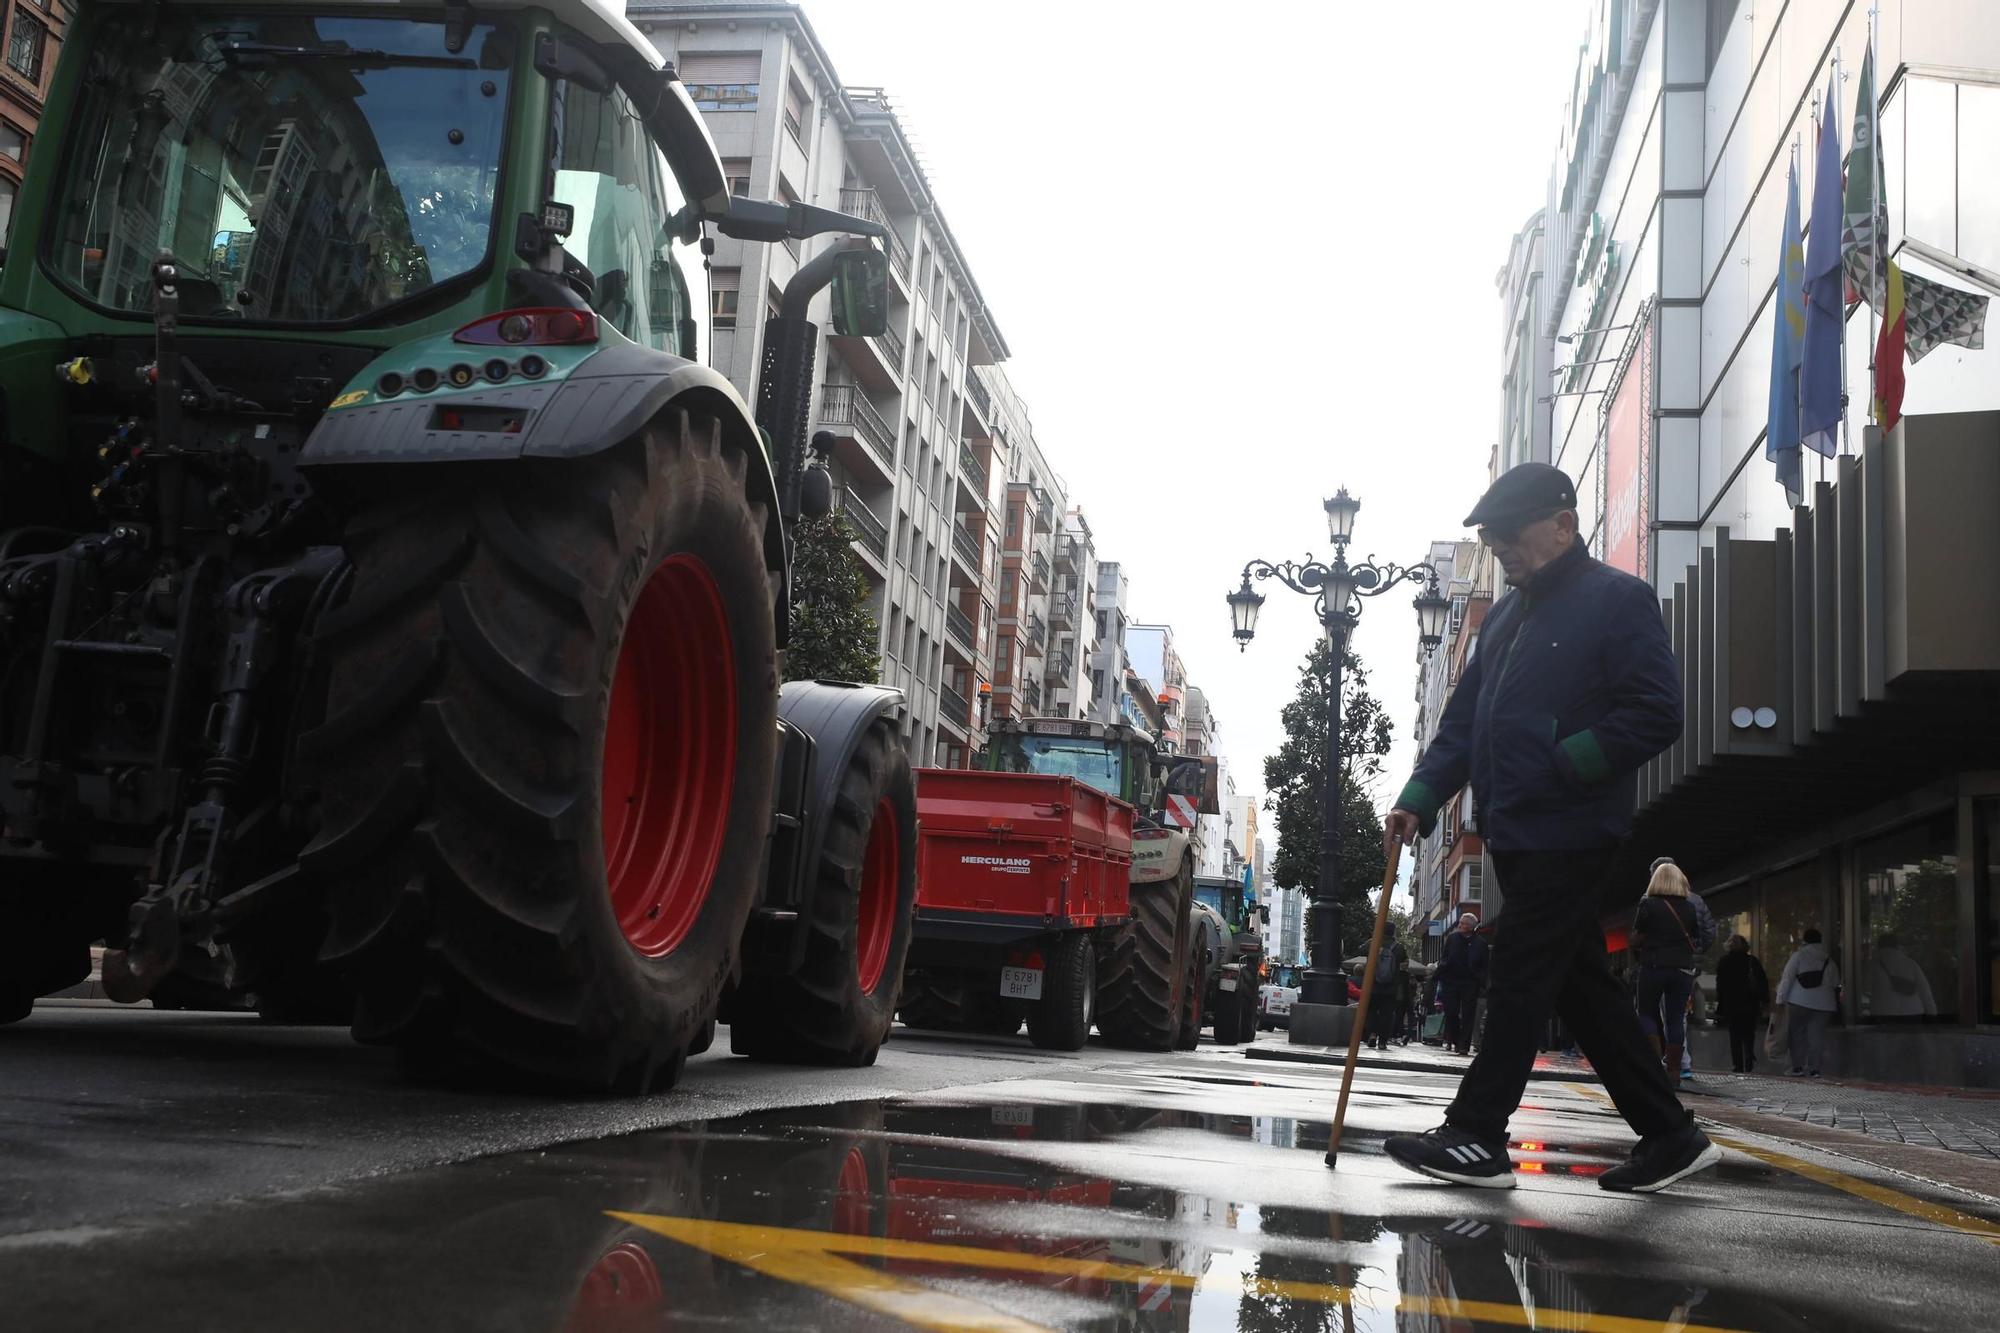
[1789, 903]
[1986, 904]
[1906, 928]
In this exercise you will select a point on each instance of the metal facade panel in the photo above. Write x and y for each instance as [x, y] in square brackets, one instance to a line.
[1874, 586]
[1803, 635]
[1826, 607]
[1677, 756]
[1853, 630]
[1703, 643]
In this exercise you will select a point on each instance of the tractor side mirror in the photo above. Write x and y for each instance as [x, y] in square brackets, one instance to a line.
[1264, 913]
[861, 293]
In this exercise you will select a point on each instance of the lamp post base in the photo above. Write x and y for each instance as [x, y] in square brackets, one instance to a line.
[1322, 1024]
[1328, 988]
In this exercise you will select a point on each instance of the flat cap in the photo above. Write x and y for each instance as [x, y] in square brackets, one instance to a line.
[1523, 492]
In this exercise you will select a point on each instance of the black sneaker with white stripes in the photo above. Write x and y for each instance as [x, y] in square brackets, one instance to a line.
[1449, 1153]
[1659, 1161]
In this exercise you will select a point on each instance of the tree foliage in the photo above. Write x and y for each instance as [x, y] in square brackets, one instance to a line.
[1294, 777]
[834, 634]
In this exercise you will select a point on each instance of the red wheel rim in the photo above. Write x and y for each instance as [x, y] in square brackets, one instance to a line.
[624, 1283]
[669, 756]
[853, 1200]
[881, 868]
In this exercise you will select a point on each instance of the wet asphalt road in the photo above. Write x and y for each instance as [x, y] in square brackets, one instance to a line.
[166, 1171]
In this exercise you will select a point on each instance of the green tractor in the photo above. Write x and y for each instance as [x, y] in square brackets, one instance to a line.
[1145, 996]
[392, 599]
[1236, 963]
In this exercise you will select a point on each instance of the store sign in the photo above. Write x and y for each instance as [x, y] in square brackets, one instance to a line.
[1602, 58]
[1597, 277]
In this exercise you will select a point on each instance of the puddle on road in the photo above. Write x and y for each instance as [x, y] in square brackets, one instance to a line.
[930, 1212]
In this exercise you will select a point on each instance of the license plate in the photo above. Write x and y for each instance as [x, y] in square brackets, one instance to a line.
[1021, 983]
[1227, 983]
[1014, 1115]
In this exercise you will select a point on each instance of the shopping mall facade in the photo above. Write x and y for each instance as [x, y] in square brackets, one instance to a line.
[1840, 764]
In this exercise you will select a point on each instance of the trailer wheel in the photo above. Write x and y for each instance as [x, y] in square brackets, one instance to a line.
[1248, 1002]
[837, 1008]
[545, 769]
[1061, 1019]
[1228, 1018]
[1188, 1037]
[1141, 982]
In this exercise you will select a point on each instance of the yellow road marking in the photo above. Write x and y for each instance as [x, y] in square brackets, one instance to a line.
[1936, 1213]
[809, 1259]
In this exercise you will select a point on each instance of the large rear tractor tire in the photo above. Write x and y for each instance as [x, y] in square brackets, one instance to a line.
[1060, 1020]
[545, 769]
[1188, 1036]
[52, 915]
[1141, 981]
[1229, 1017]
[837, 1008]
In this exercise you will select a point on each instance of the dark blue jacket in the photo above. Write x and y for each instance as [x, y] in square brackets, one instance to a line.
[1572, 686]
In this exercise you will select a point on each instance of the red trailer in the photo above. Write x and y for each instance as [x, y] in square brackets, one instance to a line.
[1020, 878]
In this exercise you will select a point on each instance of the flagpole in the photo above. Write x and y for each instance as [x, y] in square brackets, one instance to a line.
[1819, 463]
[1875, 215]
[1846, 446]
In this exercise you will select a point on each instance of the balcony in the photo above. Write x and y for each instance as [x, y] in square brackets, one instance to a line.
[1036, 637]
[845, 410]
[1062, 610]
[974, 470]
[1039, 571]
[958, 625]
[1070, 553]
[868, 204]
[873, 532]
[1065, 667]
[892, 343]
[966, 547]
[1031, 693]
[953, 708]
[975, 390]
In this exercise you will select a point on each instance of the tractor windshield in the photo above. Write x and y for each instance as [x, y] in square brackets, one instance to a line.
[1089, 762]
[1226, 899]
[301, 168]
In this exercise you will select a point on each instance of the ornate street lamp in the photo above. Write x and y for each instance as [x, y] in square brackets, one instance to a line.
[1336, 590]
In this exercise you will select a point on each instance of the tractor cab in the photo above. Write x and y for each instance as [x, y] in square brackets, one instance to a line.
[1227, 898]
[1117, 759]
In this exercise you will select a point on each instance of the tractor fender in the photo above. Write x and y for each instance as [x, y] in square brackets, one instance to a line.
[614, 392]
[825, 722]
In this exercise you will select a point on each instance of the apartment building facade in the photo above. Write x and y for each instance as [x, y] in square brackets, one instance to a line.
[1033, 506]
[1110, 664]
[918, 414]
[1836, 766]
[1073, 619]
[34, 31]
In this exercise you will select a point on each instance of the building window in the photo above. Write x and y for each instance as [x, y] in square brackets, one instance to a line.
[736, 170]
[721, 80]
[25, 45]
[1906, 935]
[7, 192]
[13, 142]
[722, 283]
[797, 106]
[1474, 881]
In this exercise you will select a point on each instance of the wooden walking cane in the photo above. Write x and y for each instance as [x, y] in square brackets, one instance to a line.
[1355, 1037]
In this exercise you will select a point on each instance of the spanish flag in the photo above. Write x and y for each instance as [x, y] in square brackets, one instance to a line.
[1889, 351]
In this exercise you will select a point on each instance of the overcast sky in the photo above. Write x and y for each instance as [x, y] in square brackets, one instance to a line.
[1241, 256]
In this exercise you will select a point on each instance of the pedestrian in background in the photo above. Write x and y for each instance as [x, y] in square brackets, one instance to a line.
[1664, 942]
[1391, 966]
[1461, 972]
[1742, 990]
[1807, 988]
[1572, 688]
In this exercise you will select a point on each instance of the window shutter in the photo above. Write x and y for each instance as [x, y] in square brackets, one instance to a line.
[709, 67]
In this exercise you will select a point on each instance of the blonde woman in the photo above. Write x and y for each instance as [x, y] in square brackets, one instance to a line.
[1669, 932]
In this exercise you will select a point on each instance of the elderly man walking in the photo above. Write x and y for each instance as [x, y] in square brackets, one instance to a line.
[1573, 687]
[1461, 972]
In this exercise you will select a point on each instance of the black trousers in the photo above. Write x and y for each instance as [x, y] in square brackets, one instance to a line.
[1548, 957]
[1743, 1040]
[1461, 1006]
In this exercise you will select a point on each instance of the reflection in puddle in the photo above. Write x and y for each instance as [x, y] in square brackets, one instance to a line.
[919, 1211]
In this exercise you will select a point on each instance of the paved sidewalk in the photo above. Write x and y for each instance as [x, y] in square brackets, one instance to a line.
[1416, 1058]
[1956, 1119]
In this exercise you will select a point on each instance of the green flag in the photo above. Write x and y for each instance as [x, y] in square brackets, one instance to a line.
[1936, 314]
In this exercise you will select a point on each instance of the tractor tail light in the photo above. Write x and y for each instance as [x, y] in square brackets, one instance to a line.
[530, 328]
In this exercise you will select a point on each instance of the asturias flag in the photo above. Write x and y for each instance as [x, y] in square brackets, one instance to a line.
[1820, 368]
[1781, 425]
